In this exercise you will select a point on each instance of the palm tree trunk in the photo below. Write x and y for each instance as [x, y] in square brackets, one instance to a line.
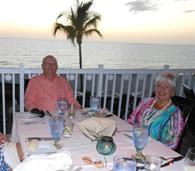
[81, 66]
[80, 56]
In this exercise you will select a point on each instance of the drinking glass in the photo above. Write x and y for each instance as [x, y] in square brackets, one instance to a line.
[68, 128]
[189, 161]
[152, 163]
[124, 163]
[56, 127]
[140, 139]
[94, 103]
[62, 106]
[71, 111]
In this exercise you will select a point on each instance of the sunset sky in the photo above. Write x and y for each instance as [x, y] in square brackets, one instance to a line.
[139, 21]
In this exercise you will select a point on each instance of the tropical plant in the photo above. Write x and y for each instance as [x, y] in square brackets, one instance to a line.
[79, 23]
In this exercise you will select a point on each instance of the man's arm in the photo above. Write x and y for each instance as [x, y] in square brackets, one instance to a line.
[70, 96]
[30, 95]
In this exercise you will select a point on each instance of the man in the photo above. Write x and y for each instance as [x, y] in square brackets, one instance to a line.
[43, 91]
[10, 154]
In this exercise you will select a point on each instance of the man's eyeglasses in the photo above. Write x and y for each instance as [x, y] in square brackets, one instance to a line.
[50, 64]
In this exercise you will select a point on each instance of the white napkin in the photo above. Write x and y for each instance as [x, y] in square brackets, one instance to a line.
[10, 154]
[96, 127]
[46, 162]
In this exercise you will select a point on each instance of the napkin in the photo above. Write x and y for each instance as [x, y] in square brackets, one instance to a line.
[96, 127]
[46, 162]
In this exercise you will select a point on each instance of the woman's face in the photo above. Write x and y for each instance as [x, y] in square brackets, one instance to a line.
[163, 91]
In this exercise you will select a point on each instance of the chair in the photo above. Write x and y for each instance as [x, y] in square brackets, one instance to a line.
[186, 106]
[189, 93]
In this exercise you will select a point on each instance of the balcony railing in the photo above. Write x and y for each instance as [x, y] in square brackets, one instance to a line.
[120, 89]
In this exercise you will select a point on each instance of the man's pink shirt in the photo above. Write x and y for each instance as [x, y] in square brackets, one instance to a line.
[43, 93]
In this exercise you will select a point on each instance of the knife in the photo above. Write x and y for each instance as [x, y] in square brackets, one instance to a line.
[40, 138]
[129, 136]
[172, 161]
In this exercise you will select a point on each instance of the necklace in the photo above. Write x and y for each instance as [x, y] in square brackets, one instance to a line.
[153, 113]
[157, 105]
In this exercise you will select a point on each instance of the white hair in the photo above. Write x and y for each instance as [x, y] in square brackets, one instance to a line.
[167, 76]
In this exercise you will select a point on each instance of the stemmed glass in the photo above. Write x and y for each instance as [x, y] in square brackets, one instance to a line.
[62, 106]
[140, 139]
[56, 127]
[189, 162]
[94, 104]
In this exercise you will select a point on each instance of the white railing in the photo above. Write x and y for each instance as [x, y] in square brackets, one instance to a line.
[120, 89]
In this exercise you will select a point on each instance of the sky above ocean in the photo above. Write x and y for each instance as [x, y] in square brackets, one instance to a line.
[135, 21]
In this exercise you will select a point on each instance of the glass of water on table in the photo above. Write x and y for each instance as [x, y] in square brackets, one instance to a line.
[62, 106]
[94, 104]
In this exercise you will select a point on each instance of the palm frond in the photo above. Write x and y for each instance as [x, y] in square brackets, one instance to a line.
[92, 22]
[91, 31]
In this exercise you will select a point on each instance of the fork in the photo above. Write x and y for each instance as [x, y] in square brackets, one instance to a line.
[170, 158]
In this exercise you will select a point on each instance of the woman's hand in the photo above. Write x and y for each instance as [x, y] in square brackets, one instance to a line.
[3, 138]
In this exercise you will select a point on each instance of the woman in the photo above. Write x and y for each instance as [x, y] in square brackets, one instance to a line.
[10, 154]
[164, 119]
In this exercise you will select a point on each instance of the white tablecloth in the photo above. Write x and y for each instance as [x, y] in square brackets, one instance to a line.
[80, 146]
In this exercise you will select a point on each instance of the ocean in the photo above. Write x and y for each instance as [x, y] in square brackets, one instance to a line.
[113, 55]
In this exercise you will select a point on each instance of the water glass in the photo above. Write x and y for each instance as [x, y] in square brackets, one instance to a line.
[123, 163]
[68, 128]
[94, 103]
[71, 111]
[62, 105]
[152, 163]
[56, 127]
[140, 139]
[189, 162]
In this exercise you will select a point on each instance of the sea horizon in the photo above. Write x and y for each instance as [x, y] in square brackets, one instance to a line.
[113, 55]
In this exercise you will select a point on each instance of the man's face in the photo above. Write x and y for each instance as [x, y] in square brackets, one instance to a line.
[49, 67]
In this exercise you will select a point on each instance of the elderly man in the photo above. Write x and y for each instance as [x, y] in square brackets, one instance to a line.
[43, 91]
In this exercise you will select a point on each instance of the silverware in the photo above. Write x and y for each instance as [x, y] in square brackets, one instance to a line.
[30, 122]
[40, 138]
[172, 160]
[129, 136]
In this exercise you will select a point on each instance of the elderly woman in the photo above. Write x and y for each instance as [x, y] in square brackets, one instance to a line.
[164, 119]
[10, 154]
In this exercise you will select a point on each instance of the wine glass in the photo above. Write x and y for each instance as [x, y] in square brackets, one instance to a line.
[123, 163]
[189, 162]
[62, 106]
[140, 139]
[56, 127]
[94, 104]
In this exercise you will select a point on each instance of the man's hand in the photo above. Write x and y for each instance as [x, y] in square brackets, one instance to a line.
[39, 113]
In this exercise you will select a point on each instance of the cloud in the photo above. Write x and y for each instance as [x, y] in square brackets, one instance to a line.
[189, 11]
[142, 5]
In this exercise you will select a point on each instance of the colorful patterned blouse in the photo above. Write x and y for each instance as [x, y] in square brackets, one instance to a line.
[3, 165]
[165, 125]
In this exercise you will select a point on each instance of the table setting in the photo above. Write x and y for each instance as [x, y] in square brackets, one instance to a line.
[93, 142]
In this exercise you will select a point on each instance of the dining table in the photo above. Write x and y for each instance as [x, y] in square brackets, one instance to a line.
[80, 146]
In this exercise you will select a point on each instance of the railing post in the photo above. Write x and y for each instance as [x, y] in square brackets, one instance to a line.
[21, 77]
[100, 80]
[166, 67]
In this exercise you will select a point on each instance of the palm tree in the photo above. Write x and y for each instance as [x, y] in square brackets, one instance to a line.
[80, 22]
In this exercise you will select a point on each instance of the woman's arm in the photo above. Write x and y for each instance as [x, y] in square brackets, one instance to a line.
[176, 125]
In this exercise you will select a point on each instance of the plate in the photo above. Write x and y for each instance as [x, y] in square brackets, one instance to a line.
[41, 147]
[28, 117]
[100, 113]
